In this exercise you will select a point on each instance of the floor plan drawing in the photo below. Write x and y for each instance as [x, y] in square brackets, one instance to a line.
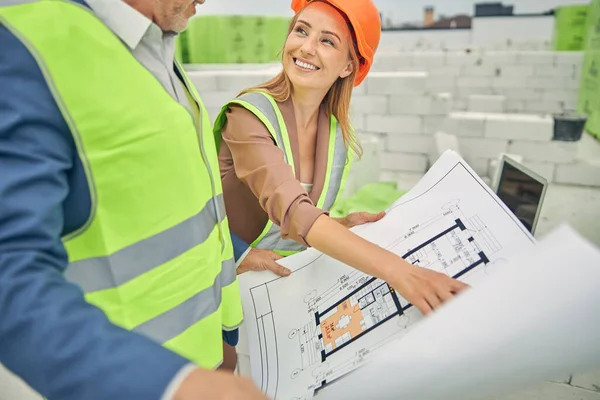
[326, 319]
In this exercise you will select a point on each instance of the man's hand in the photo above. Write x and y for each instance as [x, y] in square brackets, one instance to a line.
[424, 288]
[262, 260]
[204, 384]
[359, 218]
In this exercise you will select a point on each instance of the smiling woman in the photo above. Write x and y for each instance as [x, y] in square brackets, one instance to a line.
[286, 146]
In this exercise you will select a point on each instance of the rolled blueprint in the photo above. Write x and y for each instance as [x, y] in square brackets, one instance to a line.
[537, 317]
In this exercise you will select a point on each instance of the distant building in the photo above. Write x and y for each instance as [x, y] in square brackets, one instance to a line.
[429, 16]
[493, 10]
[461, 21]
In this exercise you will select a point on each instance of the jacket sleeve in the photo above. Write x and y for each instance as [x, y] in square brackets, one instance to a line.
[63, 347]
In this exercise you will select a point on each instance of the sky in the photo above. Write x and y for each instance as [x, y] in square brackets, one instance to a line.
[398, 10]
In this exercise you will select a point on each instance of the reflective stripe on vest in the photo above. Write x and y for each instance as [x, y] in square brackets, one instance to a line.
[155, 253]
[264, 107]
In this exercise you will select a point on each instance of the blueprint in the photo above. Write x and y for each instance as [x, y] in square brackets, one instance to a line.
[311, 329]
[536, 320]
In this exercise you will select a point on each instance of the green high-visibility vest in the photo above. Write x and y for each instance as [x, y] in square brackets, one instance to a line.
[155, 253]
[339, 159]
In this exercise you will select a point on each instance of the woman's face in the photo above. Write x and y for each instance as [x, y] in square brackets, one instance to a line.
[316, 53]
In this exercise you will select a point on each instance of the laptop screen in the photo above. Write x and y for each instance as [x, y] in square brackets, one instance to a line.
[522, 194]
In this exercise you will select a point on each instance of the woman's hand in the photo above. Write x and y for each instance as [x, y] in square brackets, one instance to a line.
[424, 288]
[359, 218]
[262, 260]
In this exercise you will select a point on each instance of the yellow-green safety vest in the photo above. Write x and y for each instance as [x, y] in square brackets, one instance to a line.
[339, 160]
[155, 253]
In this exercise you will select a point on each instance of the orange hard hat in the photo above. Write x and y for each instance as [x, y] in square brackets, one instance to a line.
[366, 24]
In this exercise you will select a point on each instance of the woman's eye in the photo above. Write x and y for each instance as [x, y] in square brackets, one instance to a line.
[328, 41]
[301, 31]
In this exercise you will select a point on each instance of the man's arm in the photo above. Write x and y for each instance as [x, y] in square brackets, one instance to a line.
[60, 345]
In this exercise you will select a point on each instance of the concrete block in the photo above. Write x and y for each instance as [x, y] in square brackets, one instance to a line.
[477, 82]
[408, 143]
[555, 71]
[394, 124]
[515, 106]
[547, 391]
[465, 92]
[499, 58]
[240, 80]
[523, 94]
[440, 84]
[217, 99]
[404, 180]
[441, 104]
[459, 104]
[358, 121]
[463, 58]
[544, 106]
[579, 173]
[517, 71]
[560, 95]
[396, 82]
[410, 105]
[428, 59]
[360, 89]
[432, 123]
[571, 57]
[523, 127]
[553, 152]
[384, 62]
[483, 147]
[372, 104]
[590, 381]
[480, 70]
[487, 103]
[545, 82]
[545, 169]
[572, 83]
[536, 57]
[205, 81]
[465, 124]
[480, 165]
[445, 71]
[404, 162]
[508, 82]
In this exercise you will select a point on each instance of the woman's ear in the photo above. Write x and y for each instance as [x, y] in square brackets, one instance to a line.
[347, 71]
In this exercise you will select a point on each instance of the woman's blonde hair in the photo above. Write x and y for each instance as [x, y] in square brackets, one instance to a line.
[337, 99]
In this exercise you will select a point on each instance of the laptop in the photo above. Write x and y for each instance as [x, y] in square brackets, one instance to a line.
[522, 190]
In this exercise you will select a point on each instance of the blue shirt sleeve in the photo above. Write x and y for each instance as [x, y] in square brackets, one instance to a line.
[239, 246]
[50, 336]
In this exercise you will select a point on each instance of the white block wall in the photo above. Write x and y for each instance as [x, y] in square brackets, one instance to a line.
[530, 81]
[405, 108]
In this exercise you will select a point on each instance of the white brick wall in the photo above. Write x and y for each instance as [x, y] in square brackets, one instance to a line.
[409, 143]
[553, 152]
[392, 124]
[464, 124]
[405, 108]
[408, 162]
[371, 104]
[524, 75]
[514, 126]
[487, 103]
[379, 83]
[482, 147]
